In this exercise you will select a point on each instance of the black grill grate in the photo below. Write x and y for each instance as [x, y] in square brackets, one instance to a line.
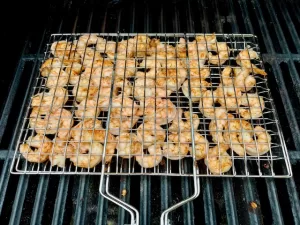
[65, 200]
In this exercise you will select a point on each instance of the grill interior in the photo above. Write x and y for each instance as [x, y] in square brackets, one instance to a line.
[64, 200]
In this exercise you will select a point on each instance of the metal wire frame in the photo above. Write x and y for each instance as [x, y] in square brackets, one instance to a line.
[252, 166]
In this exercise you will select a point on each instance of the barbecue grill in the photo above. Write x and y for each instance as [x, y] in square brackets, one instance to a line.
[67, 199]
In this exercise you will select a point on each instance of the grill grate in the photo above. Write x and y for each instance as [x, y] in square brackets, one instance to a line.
[165, 113]
[66, 199]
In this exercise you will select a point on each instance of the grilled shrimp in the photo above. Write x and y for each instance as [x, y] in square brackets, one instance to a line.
[150, 133]
[217, 125]
[74, 71]
[49, 101]
[226, 78]
[222, 56]
[152, 159]
[125, 68]
[255, 103]
[105, 46]
[142, 43]
[228, 97]
[179, 125]
[160, 111]
[259, 146]
[162, 51]
[145, 88]
[128, 145]
[171, 79]
[124, 106]
[244, 60]
[49, 64]
[206, 104]
[92, 157]
[207, 39]
[86, 87]
[63, 49]
[218, 160]
[59, 120]
[89, 55]
[196, 64]
[42, 148]
[92, 130]
[233, 130]
[175, 151]
[61, 147]
[151, 66]
[87, 108]
[119, 124]
[243, 80]
[57, 78]
[197, 87]
[201, 146]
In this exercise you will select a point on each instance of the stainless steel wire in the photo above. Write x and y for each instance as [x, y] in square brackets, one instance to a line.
[108, 94]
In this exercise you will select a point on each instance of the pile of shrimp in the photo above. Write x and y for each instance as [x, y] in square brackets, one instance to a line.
[103, 98]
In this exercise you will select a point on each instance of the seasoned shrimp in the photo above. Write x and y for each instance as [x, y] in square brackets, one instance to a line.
[119, 124]
[179, 125]
[104, 46]
[171, 79]
[151, 65]
[255, 103]
[198, 72]
[152, 159]
[86, 87]
[57, 160]
[84, 129]
[92, 130]
[89, 55]
[175, 150]
[92, 157]
[59, 120]
[162, 51]
[124, 106]
[150, 133]
[217, 125]
[142, 43]
[62, 49]
[197, 87]
[222, 56]
[233, 130]
[49, 101]
[201, 146]
[87, 108]
[128, 145]
[57, 78]
[181, 48]
[259, 146]
[196, 63]
[160, 111]
[228, 97]
[218, 160]
[207, 39]
[226, 78]
[49, 64]
[244, 60]
[125, 68]
[42, 148]
[61, 147]
[206, 104]
[89, 39]
[74, 71]
[243, 80]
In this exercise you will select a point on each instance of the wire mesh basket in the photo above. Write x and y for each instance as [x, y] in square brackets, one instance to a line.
[161, 104]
